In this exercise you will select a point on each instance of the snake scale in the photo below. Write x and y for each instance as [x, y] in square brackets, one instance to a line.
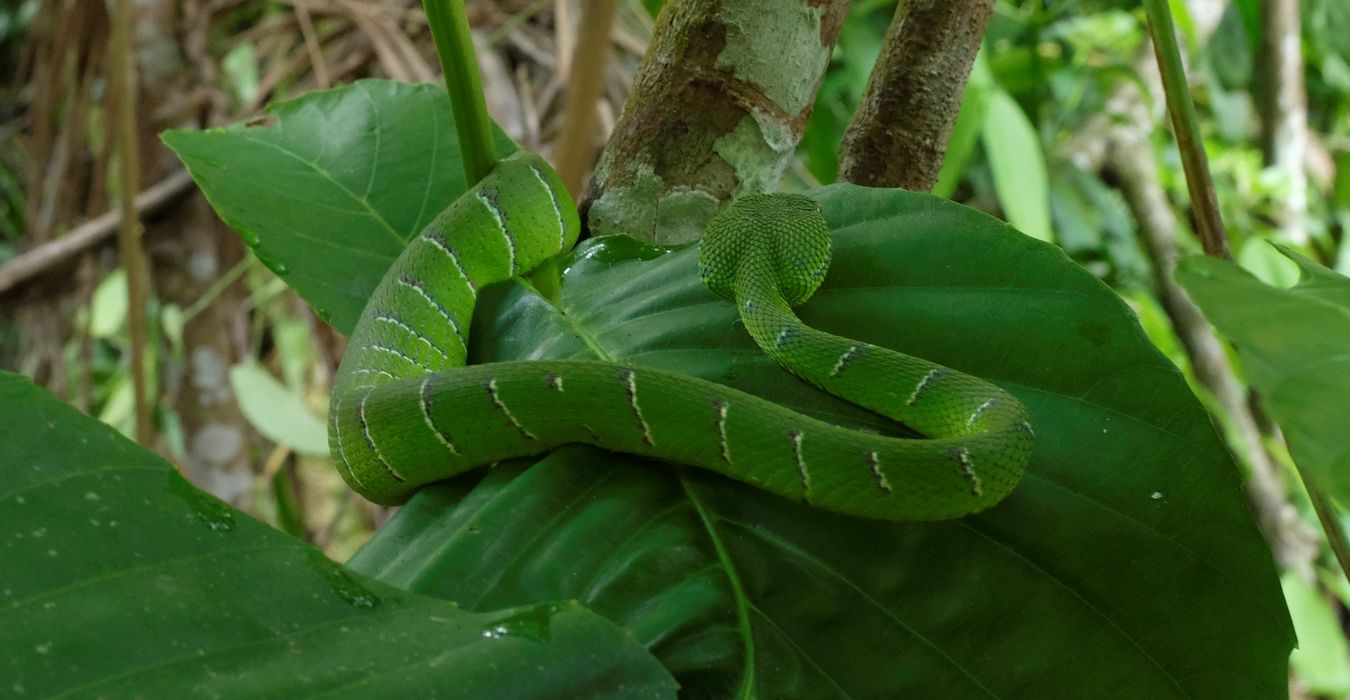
[407, 410]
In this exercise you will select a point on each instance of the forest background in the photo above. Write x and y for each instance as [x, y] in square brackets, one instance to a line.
[1062, 132]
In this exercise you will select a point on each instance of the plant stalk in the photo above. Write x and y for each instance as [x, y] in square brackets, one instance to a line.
[1209, 224]
[132, 257]
[464, 84]
[1331, 523]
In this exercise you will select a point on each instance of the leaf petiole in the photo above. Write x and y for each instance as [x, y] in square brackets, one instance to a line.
[454, 45]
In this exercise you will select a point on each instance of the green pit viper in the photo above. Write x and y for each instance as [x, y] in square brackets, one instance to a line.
[407, 410]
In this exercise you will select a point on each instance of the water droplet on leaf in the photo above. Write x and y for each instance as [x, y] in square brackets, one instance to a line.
[206, 507]
[346, 587]
[534, 623]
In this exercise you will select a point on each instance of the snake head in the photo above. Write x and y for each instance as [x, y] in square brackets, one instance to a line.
[779, 237]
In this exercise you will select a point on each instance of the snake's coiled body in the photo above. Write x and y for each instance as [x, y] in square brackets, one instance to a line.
[406, 410]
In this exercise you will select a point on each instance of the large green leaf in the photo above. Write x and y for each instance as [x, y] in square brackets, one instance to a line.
[118, 579]
[1294, 345]
[344, 178]
[1112, 571]
[1017, 164]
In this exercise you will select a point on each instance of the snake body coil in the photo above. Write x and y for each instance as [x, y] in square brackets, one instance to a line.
[406, 410]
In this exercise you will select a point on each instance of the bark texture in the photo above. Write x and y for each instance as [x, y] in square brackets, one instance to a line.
[899, 134]
[717, 108]
[1284, 111]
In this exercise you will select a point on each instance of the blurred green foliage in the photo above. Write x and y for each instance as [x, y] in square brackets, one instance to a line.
[1048, 66]
[1058, 62]
[14, 20]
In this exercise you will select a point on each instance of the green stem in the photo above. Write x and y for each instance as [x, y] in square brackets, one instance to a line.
[217, 288]
[454, 46]
[749, 679]
[1209, 224]
[1331, 523]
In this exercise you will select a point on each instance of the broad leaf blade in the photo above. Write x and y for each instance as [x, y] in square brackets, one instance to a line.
[328, 195]
[1125, 550]
[1295, 349]
[1018, 165]
[118, 579]
[275, 412]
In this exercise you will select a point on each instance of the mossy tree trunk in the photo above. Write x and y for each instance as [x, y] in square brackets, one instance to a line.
[717, 108]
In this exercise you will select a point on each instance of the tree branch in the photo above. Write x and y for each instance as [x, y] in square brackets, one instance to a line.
[899, 134]
[1284, 111]
[60, 251]
[717, 107]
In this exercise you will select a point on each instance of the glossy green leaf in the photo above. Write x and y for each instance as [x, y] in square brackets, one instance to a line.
[118, 579]
[276, 411]
[1259, 257]
[1294, 345]
[969, 123]
[1114, 567]
[1322, 659]
[1018, 165]
[344, 177]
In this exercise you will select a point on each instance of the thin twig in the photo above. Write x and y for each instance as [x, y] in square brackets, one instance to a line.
[316, 58]
[1209, 224]
[1131, 158]
[124, 134]
[55, 253]
[217, 288]
[514, 22]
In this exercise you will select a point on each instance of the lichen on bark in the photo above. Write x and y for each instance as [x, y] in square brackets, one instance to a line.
[718, 105]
